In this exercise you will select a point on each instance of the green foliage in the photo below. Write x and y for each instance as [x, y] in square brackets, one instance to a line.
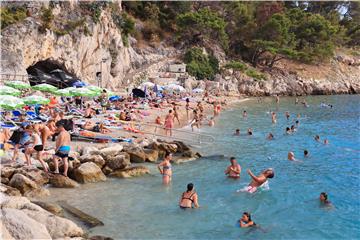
[93, 9]
[255, 74]
[47, 17]
[236, 66]
[204, 24]
[200, 65]
[11, 15]
[71, 26]
[125, 24]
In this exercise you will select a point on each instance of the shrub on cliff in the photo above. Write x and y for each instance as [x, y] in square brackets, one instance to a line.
[125, 24]
[11, 15]
[236, 66]
[47, 18]
[200, 65]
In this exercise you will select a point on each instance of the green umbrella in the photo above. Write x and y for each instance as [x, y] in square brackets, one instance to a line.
[95, 88]
[64, 92]
[17, 84]
[83, 92]
[5, 90]
[10, 102]
[44, 87]
[30, 100]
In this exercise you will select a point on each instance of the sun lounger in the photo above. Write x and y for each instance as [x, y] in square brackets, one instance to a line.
[98, 139]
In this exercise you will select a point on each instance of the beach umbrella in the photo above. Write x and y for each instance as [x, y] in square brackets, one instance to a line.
[147, 84]
[32, 100]
[79, 84]
[5, 90]
[197, 90]
[44, 87]
[83, 92]
[64, 92]
[94, 88]
[17, 84]
[10, 102]
[138, 93]
[115, 98]
[175, 87]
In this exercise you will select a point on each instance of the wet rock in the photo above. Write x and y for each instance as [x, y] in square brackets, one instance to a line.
[21, 226]
[99, 237]
[22, 183]
[89, 172]
[181, 147]
[151, 155]
[163, 146]
[97, 159]
[50, 207]
[106, 170]
[191, 154]
[60, 181]
[37, 193]
[119, 161]
[135, 171]
[137, 155]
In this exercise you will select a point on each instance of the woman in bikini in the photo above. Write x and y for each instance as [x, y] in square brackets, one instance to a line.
[189, 199]
[169, 123]
[176, 115]
[187, 107]
[195, 121]
[165, 168]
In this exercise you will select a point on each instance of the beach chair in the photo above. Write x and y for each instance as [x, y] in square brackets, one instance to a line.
[16, 113]
[31, 115]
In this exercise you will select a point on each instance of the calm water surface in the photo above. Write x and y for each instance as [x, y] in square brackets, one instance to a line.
[141, 208]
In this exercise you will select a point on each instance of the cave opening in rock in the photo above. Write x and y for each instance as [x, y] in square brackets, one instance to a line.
[51, 72]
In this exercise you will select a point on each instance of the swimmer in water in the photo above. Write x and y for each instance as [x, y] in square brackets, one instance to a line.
[298, 115]
[250, 132]
[288, 131]
[273, 117]
[291, 156]
[246, 221]
[297, 123]
[292, 128]
[287, 115]
[244, 114]
[189, 198]
[234, 170]
[326, 142]
[324, 200]
[237, 132]
[296, 101]
[277, 98]
[306, 153]
[317, 138]
[211, 122]
[257, 181]
[270, 137]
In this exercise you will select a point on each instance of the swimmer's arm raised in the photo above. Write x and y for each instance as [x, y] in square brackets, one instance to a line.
[256, 179]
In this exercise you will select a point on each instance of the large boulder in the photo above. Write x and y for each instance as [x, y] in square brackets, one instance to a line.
[97, 159]
[119, 161]
[163, 146]
[50, 207]
[9, 190]
[181, 147]
[38, 176]
[151, 155]
[130, 172]
[89, 172]
[137, 155]
[21, 226]
[37, 193]
[60, 181]
[89, 150]
[22, 183]
[111, 151]
[7, 172]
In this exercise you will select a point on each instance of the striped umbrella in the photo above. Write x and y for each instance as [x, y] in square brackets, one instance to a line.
[64, 92]
[5, 90]
[44, 87]
[95, 88]
[17, 84]
[10, 102]
[32, 100]
[83, 92]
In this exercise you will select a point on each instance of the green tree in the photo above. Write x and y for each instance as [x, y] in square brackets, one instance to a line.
[202, 25]
[200, 65]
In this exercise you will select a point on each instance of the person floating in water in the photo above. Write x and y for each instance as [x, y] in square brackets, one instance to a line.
[291, 156]
[270, 137]
[324, 201]
[288, 131]
[244, 114]
[273, 117]
[287, 115]
[246, 221]
[237, 132]
[250, 132]
[317, 138]
[189, 199]
[258, 181]
[166, 171]
[234, 170]
[326, 142]
[306, 153]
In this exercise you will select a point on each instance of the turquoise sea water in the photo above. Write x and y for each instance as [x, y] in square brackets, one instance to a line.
[141, 208]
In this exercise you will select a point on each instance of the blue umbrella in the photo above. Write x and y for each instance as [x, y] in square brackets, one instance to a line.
[79, 84]
[115, 98]
[155, 89]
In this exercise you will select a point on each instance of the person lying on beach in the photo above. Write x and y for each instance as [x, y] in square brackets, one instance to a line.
[95, 127]
[246, 221]
[89, 112]
[234, 170]
[257, 181]
[189, 199]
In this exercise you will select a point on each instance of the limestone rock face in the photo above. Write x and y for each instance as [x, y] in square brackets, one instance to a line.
[89, 172]
[38, 193]
[131, 172]
[36, 175]
[61, 181]
[22, 183]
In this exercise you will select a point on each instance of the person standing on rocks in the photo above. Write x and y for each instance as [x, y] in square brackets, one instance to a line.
[165, 168]
[62, 150]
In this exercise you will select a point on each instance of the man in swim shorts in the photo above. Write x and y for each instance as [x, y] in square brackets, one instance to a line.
[257, 181]
[234, 170]
[62, 150]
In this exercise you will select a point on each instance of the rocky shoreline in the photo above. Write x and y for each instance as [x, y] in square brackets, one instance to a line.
[35, 219]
